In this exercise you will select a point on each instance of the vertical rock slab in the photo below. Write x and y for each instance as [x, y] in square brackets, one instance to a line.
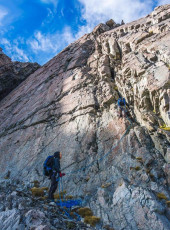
[116, 165]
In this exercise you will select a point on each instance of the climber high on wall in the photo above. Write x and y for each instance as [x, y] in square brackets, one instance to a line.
[121, 106]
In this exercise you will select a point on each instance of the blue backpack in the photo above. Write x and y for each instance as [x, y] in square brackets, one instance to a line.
[47, 166]
[121, 102]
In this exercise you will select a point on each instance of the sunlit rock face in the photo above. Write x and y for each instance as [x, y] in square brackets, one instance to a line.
[70, 105]
[13, 73]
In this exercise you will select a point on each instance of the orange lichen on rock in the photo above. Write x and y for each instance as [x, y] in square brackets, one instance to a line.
[106, 185]
[69, 197]
[37, 191]
[85, 212]
[44, 188]
[168, 203]
[139, 159]
[57, 196]
[164, 127]
[137, 168]
[92, 220]
[36, 183]
[161, 196]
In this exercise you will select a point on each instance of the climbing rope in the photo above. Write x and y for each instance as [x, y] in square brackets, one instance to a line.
[66, 205]
[101, 158]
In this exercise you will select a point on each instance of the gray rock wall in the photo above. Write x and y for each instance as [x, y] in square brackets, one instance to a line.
[69, 104]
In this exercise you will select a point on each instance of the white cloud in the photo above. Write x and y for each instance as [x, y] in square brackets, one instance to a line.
[95, 11]
[67, 36]
[45, 46]
[14, 51]
[4, 41]
[41, 42]
[19, 54]
[50, 43]
[163, 2]
[85, 29]
[3, 13]
[49, 18]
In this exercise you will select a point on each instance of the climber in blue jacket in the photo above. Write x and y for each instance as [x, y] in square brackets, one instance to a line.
[52, 170]
[121, 105]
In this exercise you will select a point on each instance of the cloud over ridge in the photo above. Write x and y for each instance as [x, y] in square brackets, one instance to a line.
[60, 22]
[3, 13]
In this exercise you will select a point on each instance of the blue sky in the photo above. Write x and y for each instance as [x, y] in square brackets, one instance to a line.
[36, 30]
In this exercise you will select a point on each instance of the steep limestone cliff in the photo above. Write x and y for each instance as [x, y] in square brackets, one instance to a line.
[69, 104]
[13, 73]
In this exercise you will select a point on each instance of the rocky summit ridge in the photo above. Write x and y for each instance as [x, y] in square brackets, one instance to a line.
[119, 167]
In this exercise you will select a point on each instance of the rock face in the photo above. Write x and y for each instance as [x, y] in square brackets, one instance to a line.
[13, 73]
[20, 211]
[119, 166]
